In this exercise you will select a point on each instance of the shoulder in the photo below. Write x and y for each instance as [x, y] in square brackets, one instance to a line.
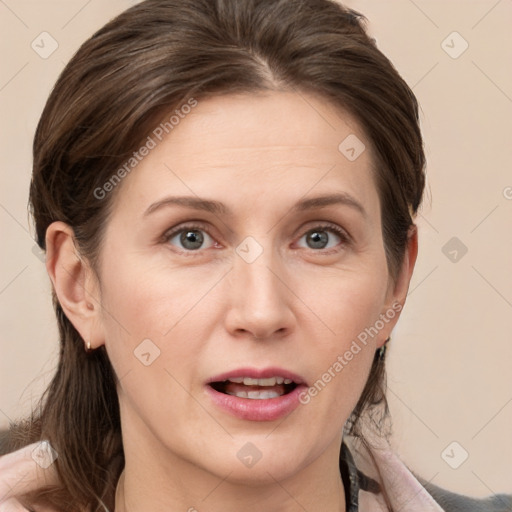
[384, 469]
[453, 502]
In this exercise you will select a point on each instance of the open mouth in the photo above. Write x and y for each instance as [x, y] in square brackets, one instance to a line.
[255, 389]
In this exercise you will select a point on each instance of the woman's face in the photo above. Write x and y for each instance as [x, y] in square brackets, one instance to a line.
[222, 261]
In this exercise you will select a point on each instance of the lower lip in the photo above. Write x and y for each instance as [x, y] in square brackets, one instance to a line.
[251, 409]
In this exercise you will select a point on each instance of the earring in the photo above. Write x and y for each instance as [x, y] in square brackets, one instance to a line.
[88, 349]
[382, 350]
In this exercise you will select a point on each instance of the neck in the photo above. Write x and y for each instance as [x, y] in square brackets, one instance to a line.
[150, 485]
[280, 497]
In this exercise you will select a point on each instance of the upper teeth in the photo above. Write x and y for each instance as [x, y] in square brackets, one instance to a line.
[271, 381]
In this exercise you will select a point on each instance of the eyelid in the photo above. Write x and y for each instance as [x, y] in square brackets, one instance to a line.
[189, 225]
[326, 225]
[345, 237]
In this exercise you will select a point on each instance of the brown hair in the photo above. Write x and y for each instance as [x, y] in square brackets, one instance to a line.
[120, 84]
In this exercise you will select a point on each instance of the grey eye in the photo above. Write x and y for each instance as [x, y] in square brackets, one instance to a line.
[321, 238]
[189, 239]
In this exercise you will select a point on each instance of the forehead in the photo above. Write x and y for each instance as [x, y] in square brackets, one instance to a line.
[278, 121]
[255, 145]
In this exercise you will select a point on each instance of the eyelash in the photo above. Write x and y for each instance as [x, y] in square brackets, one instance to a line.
[342, 234]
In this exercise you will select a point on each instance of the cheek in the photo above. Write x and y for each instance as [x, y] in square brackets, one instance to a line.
[157, 303]
[151, 335]
[346, 302]
[348, 305]
[151, 300]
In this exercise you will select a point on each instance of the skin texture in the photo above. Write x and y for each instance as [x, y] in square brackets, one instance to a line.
[209, 311]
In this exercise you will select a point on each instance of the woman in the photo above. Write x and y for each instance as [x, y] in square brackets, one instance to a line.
[225, 191]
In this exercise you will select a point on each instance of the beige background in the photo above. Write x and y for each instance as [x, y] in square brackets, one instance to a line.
[451, 356]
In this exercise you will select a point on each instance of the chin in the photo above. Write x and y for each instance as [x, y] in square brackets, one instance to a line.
[256, 461]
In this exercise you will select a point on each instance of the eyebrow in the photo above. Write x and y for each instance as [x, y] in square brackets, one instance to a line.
[219, 208]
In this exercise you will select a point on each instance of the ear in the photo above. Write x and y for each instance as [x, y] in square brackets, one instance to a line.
[74, 282]
[397, 291]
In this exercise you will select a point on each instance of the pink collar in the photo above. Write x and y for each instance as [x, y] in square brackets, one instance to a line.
[403, 489]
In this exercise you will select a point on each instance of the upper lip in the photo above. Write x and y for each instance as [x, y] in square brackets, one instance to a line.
[258, 373]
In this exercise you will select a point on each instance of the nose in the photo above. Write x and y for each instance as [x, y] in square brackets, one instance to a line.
[260, 300]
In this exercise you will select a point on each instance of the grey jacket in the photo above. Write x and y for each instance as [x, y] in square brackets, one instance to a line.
[452, 502]
[354, 481]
